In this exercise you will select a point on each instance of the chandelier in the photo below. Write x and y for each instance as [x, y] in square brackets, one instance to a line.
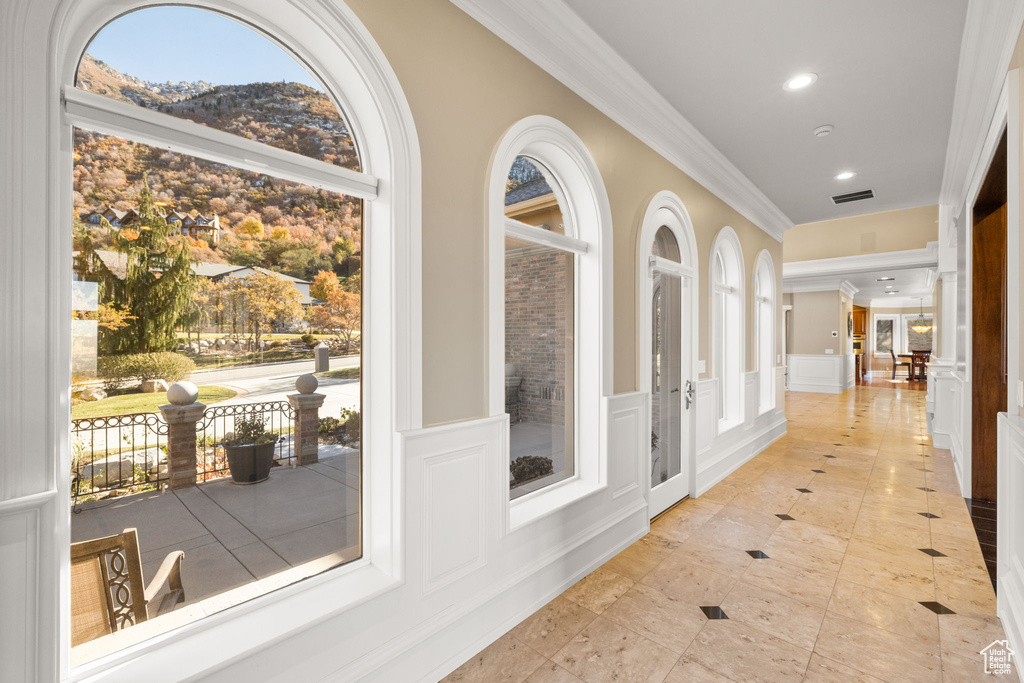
[921, 325]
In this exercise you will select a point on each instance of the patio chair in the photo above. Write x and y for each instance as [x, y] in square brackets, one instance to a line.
[107, 592]
[897, 362]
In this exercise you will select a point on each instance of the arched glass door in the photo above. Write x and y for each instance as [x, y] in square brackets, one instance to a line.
[669, 477]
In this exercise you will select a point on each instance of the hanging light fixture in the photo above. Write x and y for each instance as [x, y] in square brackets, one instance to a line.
[921, 325]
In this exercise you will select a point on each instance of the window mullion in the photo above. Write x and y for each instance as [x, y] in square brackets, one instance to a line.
[110, 117]
[531, 233]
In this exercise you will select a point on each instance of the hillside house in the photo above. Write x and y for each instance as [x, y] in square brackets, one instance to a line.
[192, 226]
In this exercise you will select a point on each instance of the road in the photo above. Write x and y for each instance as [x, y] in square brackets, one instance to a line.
[292, 368]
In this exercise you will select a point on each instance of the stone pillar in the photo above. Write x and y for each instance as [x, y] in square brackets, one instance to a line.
[181, 416]
[306, 405]
[181, 442]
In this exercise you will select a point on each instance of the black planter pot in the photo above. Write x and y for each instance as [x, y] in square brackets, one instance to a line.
[250, 464]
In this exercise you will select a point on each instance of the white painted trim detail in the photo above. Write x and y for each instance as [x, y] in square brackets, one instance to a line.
[990, 36]
[817, 373]
[1010, 520]
[839, 266]
[551, 35]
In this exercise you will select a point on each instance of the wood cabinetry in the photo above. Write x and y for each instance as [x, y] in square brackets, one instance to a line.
[860, 320]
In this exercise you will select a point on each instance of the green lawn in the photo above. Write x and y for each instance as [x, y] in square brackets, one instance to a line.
[125, 404]
[343, 373]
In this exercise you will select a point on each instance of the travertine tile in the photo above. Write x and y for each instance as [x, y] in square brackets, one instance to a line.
[822, 670]
[874, 651]
[915, 582]
[687, 670]
[636, 561]
[744, 653]
[892, 613]
[598, 589]
[506, 661]
[550, 672]
[792, 620]
[670, 622]
[689, 583]
[605, 651]
[553, 625]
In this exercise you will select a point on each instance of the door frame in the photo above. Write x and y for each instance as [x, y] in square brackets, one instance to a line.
[665, 209]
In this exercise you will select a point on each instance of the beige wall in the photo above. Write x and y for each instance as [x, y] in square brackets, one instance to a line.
[466, 88]
[868, 234]
[814, 317]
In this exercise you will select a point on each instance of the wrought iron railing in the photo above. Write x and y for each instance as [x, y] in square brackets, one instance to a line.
[116, 453]
[218, 423]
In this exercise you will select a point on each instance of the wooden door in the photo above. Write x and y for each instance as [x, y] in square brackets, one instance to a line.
[988, 324]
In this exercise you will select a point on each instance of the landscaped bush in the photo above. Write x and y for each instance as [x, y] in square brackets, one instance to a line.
[529, 467]
[309, 340]
[347, 430]
[168, 366]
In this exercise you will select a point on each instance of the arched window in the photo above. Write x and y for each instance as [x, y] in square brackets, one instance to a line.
[262, 152]
[727, 326]
[764, 322]
[549, 317]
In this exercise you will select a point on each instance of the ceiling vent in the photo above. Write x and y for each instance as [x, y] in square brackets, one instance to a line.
[853, 196]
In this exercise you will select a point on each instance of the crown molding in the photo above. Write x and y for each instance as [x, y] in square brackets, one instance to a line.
[990, 36]
[901, 302]
[863, 263]
[551, 35]
[820, 284]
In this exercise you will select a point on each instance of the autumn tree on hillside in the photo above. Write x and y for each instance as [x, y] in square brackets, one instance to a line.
[324, 283]
[151, 281]
[340, 315]
[266, 300]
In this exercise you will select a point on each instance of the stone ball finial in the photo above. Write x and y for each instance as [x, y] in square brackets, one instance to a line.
[510, 369]
[306, 384]
[182, 393]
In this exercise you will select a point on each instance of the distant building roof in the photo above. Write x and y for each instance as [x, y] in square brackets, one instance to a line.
[528, 190]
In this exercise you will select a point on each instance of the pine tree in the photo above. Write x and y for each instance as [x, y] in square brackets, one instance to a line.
[157, 285]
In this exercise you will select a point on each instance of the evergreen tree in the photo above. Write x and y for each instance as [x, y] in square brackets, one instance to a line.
[156, 286]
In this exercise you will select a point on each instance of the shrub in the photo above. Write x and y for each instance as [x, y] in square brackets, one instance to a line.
[345, 431]
[249, 431]
[529, 467]
[168, 366]
[309, 340]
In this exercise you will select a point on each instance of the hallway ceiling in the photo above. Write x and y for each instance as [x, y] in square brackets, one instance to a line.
[910, 284]
[886, 77]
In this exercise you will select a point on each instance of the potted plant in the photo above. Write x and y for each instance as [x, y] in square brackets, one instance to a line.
[250, 450]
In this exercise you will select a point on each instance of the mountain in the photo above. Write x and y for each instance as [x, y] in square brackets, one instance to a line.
[301, 225]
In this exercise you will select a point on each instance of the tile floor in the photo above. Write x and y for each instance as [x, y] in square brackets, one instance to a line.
[852, 581]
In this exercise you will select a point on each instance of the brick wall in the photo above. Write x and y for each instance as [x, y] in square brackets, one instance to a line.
[539, 328]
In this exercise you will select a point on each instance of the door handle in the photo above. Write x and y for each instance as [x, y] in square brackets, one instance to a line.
[674, 391]
[689, 394]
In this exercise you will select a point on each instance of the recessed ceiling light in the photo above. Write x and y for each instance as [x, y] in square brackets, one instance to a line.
[801, 81]
[893, 291]
[884, 279]
[845, 175]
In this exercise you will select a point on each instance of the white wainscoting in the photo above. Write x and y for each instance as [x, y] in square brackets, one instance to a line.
[851, 370]
[940, 403]
[1010, 523]
[718, 455]
[468, 580]
[823, 374]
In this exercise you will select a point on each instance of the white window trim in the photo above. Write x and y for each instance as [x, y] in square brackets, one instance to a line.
[764, 281]
[379, 117]
[561, 152]
[733, 415]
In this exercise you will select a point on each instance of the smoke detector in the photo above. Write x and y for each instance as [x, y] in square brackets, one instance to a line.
[822, 131]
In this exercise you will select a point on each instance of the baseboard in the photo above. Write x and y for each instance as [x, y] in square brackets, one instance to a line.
[817, 388]
[943, 441]
[734, 456]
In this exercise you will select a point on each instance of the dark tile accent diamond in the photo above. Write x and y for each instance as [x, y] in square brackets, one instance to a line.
[714, 612]
[932, 552]
[758, 555]
[785, 518]
[936, 607]
[925, 489]
[830, 456]
[805, 491]
[928, 515]
[818, 471]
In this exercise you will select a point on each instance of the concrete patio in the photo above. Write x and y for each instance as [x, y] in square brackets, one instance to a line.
[239, 540]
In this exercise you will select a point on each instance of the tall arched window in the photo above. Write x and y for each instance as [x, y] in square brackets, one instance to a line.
[269, 166]
[727, 326]
[764, 321]
[549, 313]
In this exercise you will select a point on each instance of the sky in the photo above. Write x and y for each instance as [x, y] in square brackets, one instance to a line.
[162, 44]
